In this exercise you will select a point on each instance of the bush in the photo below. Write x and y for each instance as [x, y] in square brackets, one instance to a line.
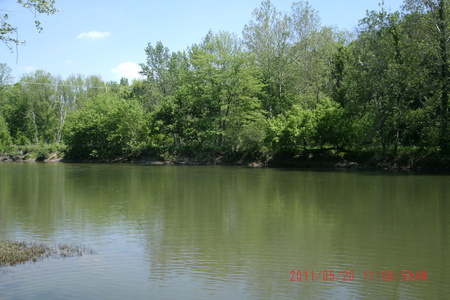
[43, 154]
[296, 128]
[333, 126]
[105, 127]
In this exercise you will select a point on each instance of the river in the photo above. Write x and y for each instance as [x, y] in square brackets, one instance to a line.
[220, 232]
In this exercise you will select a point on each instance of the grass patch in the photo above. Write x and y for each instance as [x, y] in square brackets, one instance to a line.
[13, 253]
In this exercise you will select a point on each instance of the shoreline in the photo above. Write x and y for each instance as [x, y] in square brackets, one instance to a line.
[322, 159]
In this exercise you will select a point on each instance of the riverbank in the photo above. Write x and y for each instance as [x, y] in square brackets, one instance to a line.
[51, 152]
[360, 160]
[313, 158]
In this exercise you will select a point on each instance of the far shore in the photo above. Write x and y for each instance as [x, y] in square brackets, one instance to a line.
[308, 159]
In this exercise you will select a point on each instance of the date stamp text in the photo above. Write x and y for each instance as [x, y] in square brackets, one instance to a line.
[404, 275]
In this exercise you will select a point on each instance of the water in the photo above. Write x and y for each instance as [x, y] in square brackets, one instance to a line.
[209, 232]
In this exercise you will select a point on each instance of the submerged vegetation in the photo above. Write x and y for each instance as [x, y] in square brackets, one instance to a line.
[13, 253]
[286, 89]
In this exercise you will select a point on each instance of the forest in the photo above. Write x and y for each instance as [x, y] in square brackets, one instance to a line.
[285, 87]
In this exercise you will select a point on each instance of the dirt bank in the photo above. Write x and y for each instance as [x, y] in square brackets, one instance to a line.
[317, 158]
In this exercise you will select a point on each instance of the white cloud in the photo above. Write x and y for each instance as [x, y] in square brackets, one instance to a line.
[128, 70]
[93, 35]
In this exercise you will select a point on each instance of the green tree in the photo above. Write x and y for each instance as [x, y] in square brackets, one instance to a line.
[141, 91]
[436, 15]
[163, 71]
[5, 137]
[333, 125]
[384, 66]
[105, 127]
[13, 107]
[39, 97]
[5, 80]
[370, 80]
[69, 94]
[269, 38]
[313, 47]
[94, 86]
[5, 75]
[294, 52]
[216, 106]
[301, 128]
[222, 89]
[292, 130]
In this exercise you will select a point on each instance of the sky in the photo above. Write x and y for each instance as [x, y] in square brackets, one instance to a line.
[108, 37]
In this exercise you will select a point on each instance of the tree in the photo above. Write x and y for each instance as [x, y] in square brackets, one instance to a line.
[13, 107]
[269, 38]
[163, 71]
[7, 31]
[140, 90]
[69, 94]
[94, 86]
[38, 92]
[312, 49]
[333, 125]
[5, 137]
[294, 53]
[222, 89]
[383, 65]
[216, 104]
[105, 127]
[311, 72]
[5, 75]
[436, 14]
[292, 130]
[372, 80]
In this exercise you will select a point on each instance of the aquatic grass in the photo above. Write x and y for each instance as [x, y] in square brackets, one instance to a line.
[12, 253]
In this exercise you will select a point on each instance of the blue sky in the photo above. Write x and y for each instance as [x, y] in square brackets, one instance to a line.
[108, 37]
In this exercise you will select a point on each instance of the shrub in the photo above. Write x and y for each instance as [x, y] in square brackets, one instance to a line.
[105, 127]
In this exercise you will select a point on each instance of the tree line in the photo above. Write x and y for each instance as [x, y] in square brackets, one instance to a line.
[288, 84]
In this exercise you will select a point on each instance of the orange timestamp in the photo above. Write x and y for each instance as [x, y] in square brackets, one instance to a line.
[404, 275]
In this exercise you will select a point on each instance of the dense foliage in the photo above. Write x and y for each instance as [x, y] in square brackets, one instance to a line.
[287, 85]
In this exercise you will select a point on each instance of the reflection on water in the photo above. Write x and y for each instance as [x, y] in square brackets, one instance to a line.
[212, 232]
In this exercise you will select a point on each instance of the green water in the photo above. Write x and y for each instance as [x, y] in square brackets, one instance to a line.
[209, 232]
